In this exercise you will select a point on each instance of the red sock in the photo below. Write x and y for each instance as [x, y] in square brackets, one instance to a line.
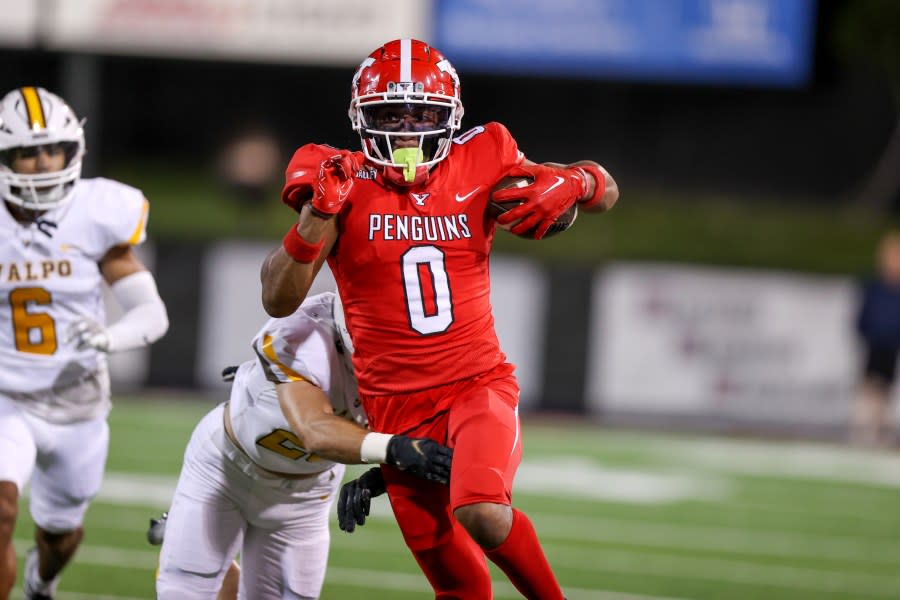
[522, 559]
[456, 571]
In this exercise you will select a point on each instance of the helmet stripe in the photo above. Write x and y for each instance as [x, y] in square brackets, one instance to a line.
[269, 351]
[34, 107]
[405, 60]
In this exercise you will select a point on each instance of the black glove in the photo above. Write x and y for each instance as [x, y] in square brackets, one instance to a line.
[356, 497]
[228, 373]
[421, 457]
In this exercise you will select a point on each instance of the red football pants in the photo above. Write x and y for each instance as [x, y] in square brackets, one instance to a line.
[481, 424]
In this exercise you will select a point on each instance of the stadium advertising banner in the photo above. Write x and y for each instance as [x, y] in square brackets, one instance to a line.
[754, 347]
[18, 27]
[745, 42]
[312, 31]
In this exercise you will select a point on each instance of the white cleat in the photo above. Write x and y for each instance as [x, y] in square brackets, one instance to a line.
[34, 587]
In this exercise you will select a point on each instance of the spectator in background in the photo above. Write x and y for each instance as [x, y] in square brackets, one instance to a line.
[250, 166]
[878, 324]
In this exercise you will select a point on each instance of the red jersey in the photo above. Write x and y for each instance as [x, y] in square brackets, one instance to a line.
[411, 264]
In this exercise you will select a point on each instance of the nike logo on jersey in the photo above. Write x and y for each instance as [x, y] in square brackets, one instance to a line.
[559, 182]
[466, 197]
[297, 174]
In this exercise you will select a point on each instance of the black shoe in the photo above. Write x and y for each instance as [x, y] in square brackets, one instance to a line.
[157, 530]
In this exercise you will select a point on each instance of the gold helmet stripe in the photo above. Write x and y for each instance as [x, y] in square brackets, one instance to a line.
[36, 119]
[269, 351]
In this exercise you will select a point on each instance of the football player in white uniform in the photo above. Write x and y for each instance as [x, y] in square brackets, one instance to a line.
[261, 471]
[61, 237]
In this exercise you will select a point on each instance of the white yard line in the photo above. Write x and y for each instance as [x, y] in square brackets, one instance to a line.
[674, 536]
[724, 570]
[106, 555]
[645, 562]
[347, 577]
[583, 478]
[136, 489]
[605, 561]
[797, 460]
[721, 539]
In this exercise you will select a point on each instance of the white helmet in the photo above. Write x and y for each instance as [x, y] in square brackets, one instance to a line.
[32, 116]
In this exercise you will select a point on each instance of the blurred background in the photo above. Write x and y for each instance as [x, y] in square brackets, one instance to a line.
[757, 150]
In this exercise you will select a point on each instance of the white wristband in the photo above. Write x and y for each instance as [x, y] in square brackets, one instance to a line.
[374, 447]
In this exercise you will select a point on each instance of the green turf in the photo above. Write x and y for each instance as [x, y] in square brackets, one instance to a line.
[749, 520]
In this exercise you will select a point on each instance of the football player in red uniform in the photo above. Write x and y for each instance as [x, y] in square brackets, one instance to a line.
[405, 229]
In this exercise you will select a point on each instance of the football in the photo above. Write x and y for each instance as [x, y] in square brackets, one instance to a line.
[496, 209]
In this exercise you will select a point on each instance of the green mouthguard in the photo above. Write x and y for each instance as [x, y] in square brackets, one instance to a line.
[410, 157]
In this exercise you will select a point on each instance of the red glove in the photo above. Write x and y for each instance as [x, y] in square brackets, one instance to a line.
[334, 183]
[301, 174]
[551, 194]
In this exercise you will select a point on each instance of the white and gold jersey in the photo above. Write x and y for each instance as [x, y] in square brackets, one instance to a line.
[303, 346]
[50, 278]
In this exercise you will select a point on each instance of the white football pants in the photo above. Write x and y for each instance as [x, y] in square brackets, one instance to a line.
[63, 461]
[224, 504]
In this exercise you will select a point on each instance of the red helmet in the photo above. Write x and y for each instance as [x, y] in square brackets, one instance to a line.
[405, 106]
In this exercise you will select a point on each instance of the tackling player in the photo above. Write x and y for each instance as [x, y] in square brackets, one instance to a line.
[61, 237]
[261, 471]
[404, 227]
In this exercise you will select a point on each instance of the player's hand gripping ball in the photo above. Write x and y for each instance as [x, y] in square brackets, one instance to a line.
[536, 201]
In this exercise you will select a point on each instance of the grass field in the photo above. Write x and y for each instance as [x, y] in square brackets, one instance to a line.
[622, 515]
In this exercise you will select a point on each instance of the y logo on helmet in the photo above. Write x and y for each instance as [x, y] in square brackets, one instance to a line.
[446, 67]
[368, 62]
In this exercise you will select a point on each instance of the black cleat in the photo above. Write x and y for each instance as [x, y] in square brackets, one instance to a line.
[157, 530]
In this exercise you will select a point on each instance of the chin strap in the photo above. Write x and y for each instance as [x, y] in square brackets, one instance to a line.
[45, 226]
